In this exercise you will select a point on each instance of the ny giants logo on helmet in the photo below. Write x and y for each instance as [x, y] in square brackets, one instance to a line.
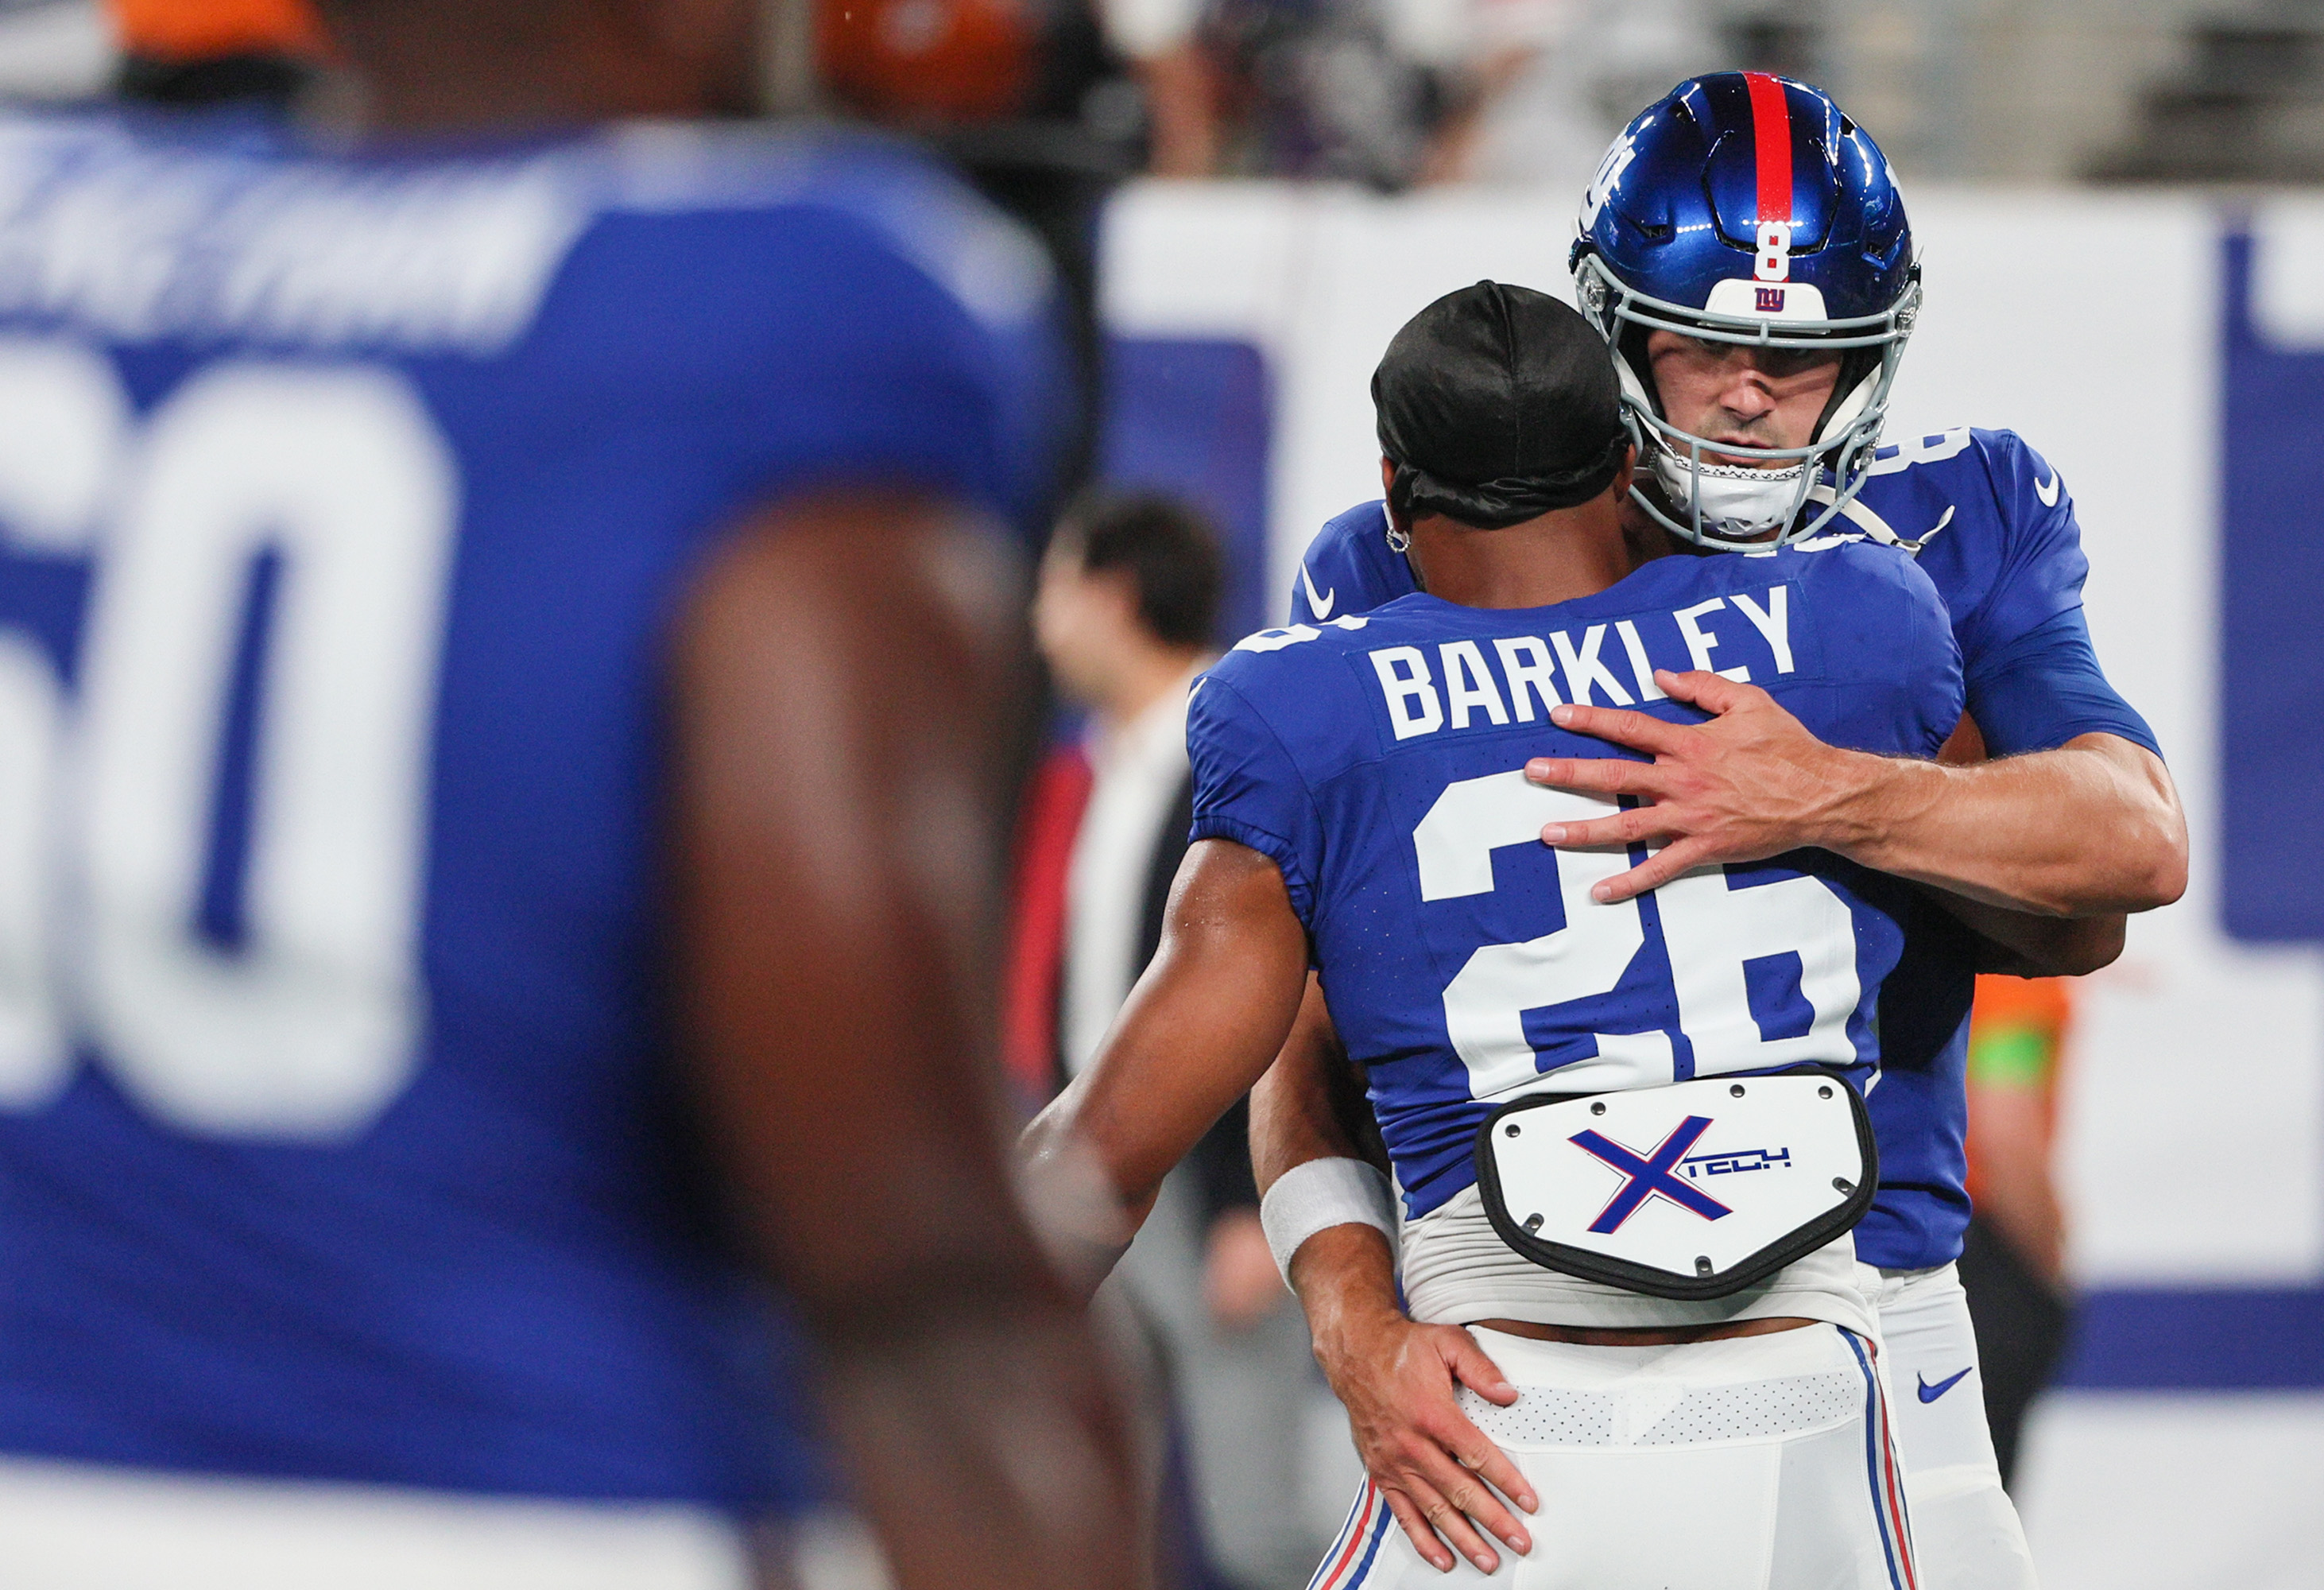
[1624, 150]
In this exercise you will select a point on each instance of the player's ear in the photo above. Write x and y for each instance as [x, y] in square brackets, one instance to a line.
[1399, 523]
[1630, 469]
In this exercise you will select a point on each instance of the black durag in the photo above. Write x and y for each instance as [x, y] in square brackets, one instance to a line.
[1498, 404]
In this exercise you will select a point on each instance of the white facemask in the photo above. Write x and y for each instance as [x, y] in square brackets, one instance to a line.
[1738, 503]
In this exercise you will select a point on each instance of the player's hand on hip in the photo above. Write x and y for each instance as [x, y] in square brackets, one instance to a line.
[1750, 784]
[1437, 1471]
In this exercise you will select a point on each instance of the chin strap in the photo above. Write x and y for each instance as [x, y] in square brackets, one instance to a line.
[1849, 401]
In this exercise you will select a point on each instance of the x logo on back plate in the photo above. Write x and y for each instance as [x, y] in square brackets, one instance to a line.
[1650, 1177]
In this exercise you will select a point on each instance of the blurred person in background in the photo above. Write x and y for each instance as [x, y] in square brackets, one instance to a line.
[1324, 88]
[511, 665]
[1029, 101]
[2014, 1258]
[1398, 93]
[1126, 615]
[198, 53]
[1551, 81]
[1317, 88]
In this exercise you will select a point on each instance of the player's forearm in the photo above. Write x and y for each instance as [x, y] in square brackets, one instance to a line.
[1310, 1104]
[1204, 1022]
[2024, 944]
[1085, 1217]
[1345, 1278]
[2093, 828]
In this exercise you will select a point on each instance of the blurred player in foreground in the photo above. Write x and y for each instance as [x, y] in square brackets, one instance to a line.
[1746, 253]
[510, 665]
[1359, 803]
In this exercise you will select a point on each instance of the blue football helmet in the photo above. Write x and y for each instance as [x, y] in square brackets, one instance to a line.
[1746, 208]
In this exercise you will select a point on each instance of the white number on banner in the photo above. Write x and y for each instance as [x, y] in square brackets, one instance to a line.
[1708, 929]
[1773, 263]
[305, 1029]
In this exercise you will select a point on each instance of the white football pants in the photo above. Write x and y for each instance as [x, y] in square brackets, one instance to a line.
[1758, 1463]
[1964, 1525]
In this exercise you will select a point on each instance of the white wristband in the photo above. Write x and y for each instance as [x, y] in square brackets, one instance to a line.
[1321, 1194]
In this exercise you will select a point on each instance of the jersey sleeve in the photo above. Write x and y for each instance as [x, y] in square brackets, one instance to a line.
[1349, 567]
[1248, 789]
[1934, 692]
[1889, 642]
[2045, 687]
[894, 376]
[2041, 567]
[813, 346]
[2033, 678]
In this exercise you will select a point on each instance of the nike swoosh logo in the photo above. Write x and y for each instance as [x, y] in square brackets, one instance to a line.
[2045, 490]
[1320, 605]
[1930, 1393]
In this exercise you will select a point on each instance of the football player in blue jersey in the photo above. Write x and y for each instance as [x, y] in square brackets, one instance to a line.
[1745, 252]
[1564, 1084]
[476, 928]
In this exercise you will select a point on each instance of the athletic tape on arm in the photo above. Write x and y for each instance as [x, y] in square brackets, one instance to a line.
[1321, 1194]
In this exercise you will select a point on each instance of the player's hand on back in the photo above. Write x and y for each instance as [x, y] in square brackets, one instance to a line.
[1750, 784]
[1443, 1480]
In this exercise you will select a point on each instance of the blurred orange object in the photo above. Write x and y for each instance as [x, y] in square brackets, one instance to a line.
[2017, 1053]
[923, 62]
[206, 30]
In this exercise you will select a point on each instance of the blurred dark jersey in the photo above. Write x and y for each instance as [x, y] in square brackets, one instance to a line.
[344, 508]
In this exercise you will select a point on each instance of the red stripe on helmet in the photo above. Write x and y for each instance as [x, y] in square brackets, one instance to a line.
[1771, 129]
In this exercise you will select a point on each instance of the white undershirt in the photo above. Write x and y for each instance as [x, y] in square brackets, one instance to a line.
[1456, 1270]
[1137, 772]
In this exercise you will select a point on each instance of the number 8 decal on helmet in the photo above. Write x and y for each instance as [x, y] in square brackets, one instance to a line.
[1774, 262]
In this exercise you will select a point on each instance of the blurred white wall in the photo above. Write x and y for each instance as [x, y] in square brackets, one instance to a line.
[55, 49]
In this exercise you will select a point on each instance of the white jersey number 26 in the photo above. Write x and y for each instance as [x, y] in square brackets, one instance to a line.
[305, 1030]
[1708, 929]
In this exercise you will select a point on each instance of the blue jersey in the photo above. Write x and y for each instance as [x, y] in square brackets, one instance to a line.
[1993, 527]
[345, 505]
[1379, 760]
